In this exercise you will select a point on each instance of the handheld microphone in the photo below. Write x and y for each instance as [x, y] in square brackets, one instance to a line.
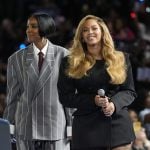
[101, 93]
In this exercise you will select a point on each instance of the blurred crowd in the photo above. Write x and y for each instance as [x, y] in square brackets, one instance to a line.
[127, 20]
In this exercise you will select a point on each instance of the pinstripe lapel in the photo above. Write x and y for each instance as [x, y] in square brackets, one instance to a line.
[31, 65]
[46, 69]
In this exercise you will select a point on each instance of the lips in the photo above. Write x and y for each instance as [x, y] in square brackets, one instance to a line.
[31, 36]
[91, 37]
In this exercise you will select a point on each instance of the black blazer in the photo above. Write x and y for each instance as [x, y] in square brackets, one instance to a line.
[90, 127]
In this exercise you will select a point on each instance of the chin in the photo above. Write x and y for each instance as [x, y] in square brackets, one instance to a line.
[30, 40]
[92, 44]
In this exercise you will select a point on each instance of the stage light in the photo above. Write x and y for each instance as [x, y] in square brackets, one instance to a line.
[148, 9]
[141, 1]
[133, 15]
[22, 45]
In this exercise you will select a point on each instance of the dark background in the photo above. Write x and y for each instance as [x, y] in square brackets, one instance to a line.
[128, 21]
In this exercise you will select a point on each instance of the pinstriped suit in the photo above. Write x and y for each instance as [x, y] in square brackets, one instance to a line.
[32, 99]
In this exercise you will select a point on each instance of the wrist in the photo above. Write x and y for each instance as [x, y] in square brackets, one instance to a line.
[113, 106]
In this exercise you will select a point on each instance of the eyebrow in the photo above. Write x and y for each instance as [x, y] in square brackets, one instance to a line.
[90, 26]
[32, 24]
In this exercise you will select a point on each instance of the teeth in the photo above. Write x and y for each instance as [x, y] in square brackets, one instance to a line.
[90, 38]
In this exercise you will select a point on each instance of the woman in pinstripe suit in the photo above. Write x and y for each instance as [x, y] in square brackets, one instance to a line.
[32, 99]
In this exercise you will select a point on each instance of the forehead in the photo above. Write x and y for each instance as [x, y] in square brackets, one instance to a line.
[32, 20]
[90, 22]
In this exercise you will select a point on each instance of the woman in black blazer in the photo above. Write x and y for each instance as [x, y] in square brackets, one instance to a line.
[100, 123]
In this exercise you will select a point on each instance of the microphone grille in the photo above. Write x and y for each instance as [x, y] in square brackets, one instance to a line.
[101, 92]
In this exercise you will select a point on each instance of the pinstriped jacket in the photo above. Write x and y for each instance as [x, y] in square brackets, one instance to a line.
[32, 97]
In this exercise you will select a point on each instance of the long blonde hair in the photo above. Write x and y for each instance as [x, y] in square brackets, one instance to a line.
[80, 61]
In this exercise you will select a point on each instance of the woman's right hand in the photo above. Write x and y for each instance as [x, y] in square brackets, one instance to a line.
[101, 101]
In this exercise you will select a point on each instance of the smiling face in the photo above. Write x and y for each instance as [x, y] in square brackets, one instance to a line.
[32, 30]
[91, 32]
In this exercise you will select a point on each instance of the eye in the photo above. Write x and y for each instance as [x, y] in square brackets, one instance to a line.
[34, 26]
[95, 28]
[85, 30]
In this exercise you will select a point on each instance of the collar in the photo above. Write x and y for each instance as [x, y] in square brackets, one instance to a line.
[43, 50]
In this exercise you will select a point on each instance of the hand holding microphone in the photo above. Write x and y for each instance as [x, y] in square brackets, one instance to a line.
[100, 99]
[103, 101]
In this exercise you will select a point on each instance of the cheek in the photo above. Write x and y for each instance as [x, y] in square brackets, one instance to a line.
[83, 37]
[99, 36]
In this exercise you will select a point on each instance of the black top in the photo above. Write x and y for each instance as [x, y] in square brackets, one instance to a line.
[91, 128]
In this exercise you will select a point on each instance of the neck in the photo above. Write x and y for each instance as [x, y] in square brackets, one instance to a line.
[95, 51]
[40, 44]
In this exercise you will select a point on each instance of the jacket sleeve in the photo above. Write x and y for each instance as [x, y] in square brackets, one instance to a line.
[12, 93]
[67, 91]
[125, 94]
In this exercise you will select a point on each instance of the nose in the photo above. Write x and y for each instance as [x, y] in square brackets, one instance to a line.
[28, 29]
[90, 31]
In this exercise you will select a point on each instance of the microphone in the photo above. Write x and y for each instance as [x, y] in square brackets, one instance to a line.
[101, 93]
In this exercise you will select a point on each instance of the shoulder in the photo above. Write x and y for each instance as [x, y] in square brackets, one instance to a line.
[18, 54]
[63, 65]
[57, 47]
[127, 58]
[64, 62]
[126, 55]
[62, 50]
[123, 55]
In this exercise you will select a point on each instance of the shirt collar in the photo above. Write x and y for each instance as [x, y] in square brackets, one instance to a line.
[43, 50]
